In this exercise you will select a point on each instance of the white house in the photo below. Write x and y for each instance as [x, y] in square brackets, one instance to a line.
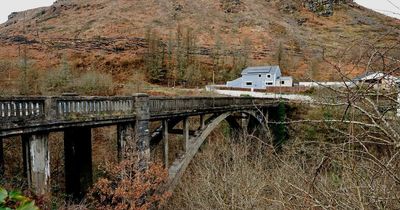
[261, 77]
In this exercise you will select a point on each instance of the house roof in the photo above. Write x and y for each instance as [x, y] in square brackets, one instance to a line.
[261, 69]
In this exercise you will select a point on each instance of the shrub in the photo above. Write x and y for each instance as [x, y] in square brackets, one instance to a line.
[125, 187]
[94, 83]
[58, 80]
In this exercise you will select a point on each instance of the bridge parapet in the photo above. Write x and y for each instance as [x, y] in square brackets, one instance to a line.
[24, 112]
[18, 108]
[160, 105]
[93, 107]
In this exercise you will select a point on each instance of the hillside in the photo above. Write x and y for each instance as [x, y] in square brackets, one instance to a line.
[111, 35]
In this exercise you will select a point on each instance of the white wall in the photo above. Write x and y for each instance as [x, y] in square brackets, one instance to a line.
[328, 84]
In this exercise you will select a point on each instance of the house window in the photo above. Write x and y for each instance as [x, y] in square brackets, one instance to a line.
[268, 76]
[282, 82]
[269, 83]
[249, 83]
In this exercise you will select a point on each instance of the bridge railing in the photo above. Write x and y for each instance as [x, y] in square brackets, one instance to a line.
[159, 105]
[18, 108]
[20, 111]
[68, 108]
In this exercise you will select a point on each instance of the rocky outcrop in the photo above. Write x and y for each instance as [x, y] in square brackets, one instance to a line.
[232, 6]
[323, 7]
[12, 15]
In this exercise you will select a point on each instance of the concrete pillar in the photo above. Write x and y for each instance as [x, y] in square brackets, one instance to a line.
[244, 122]
[125, 139]
[78, 161]
[202, 121]
[1, 158]
[186, 134]
[142, 133]
[165, 141]
[37, 162]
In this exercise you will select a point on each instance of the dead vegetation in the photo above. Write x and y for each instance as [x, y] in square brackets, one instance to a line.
[307, 173]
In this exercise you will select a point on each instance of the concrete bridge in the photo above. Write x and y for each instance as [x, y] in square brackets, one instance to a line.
[33, 118]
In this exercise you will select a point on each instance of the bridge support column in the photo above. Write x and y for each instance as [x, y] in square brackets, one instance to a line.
[125, 139]
[186, 134]
[37, 162]
[244, 122]
[141, 129]
[202, 121]
[265, 117]
[78, 161]
[165, 142]
[1, 157]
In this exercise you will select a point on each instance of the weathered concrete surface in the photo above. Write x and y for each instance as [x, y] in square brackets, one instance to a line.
[37, 162]
[78, 161]
[165, 142]
[202, 122]
[125, 140]
[186, 135]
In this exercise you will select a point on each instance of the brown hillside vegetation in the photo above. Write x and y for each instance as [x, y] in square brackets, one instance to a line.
[110, 36]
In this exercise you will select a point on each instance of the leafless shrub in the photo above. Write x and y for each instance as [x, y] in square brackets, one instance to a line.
[94, 83]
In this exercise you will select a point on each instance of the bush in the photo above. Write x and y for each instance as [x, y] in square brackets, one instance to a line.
[94, 83]
[125, 187]
[58, 80]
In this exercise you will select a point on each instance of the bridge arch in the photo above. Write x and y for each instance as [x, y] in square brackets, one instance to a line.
[254, 116]
[178, 167]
